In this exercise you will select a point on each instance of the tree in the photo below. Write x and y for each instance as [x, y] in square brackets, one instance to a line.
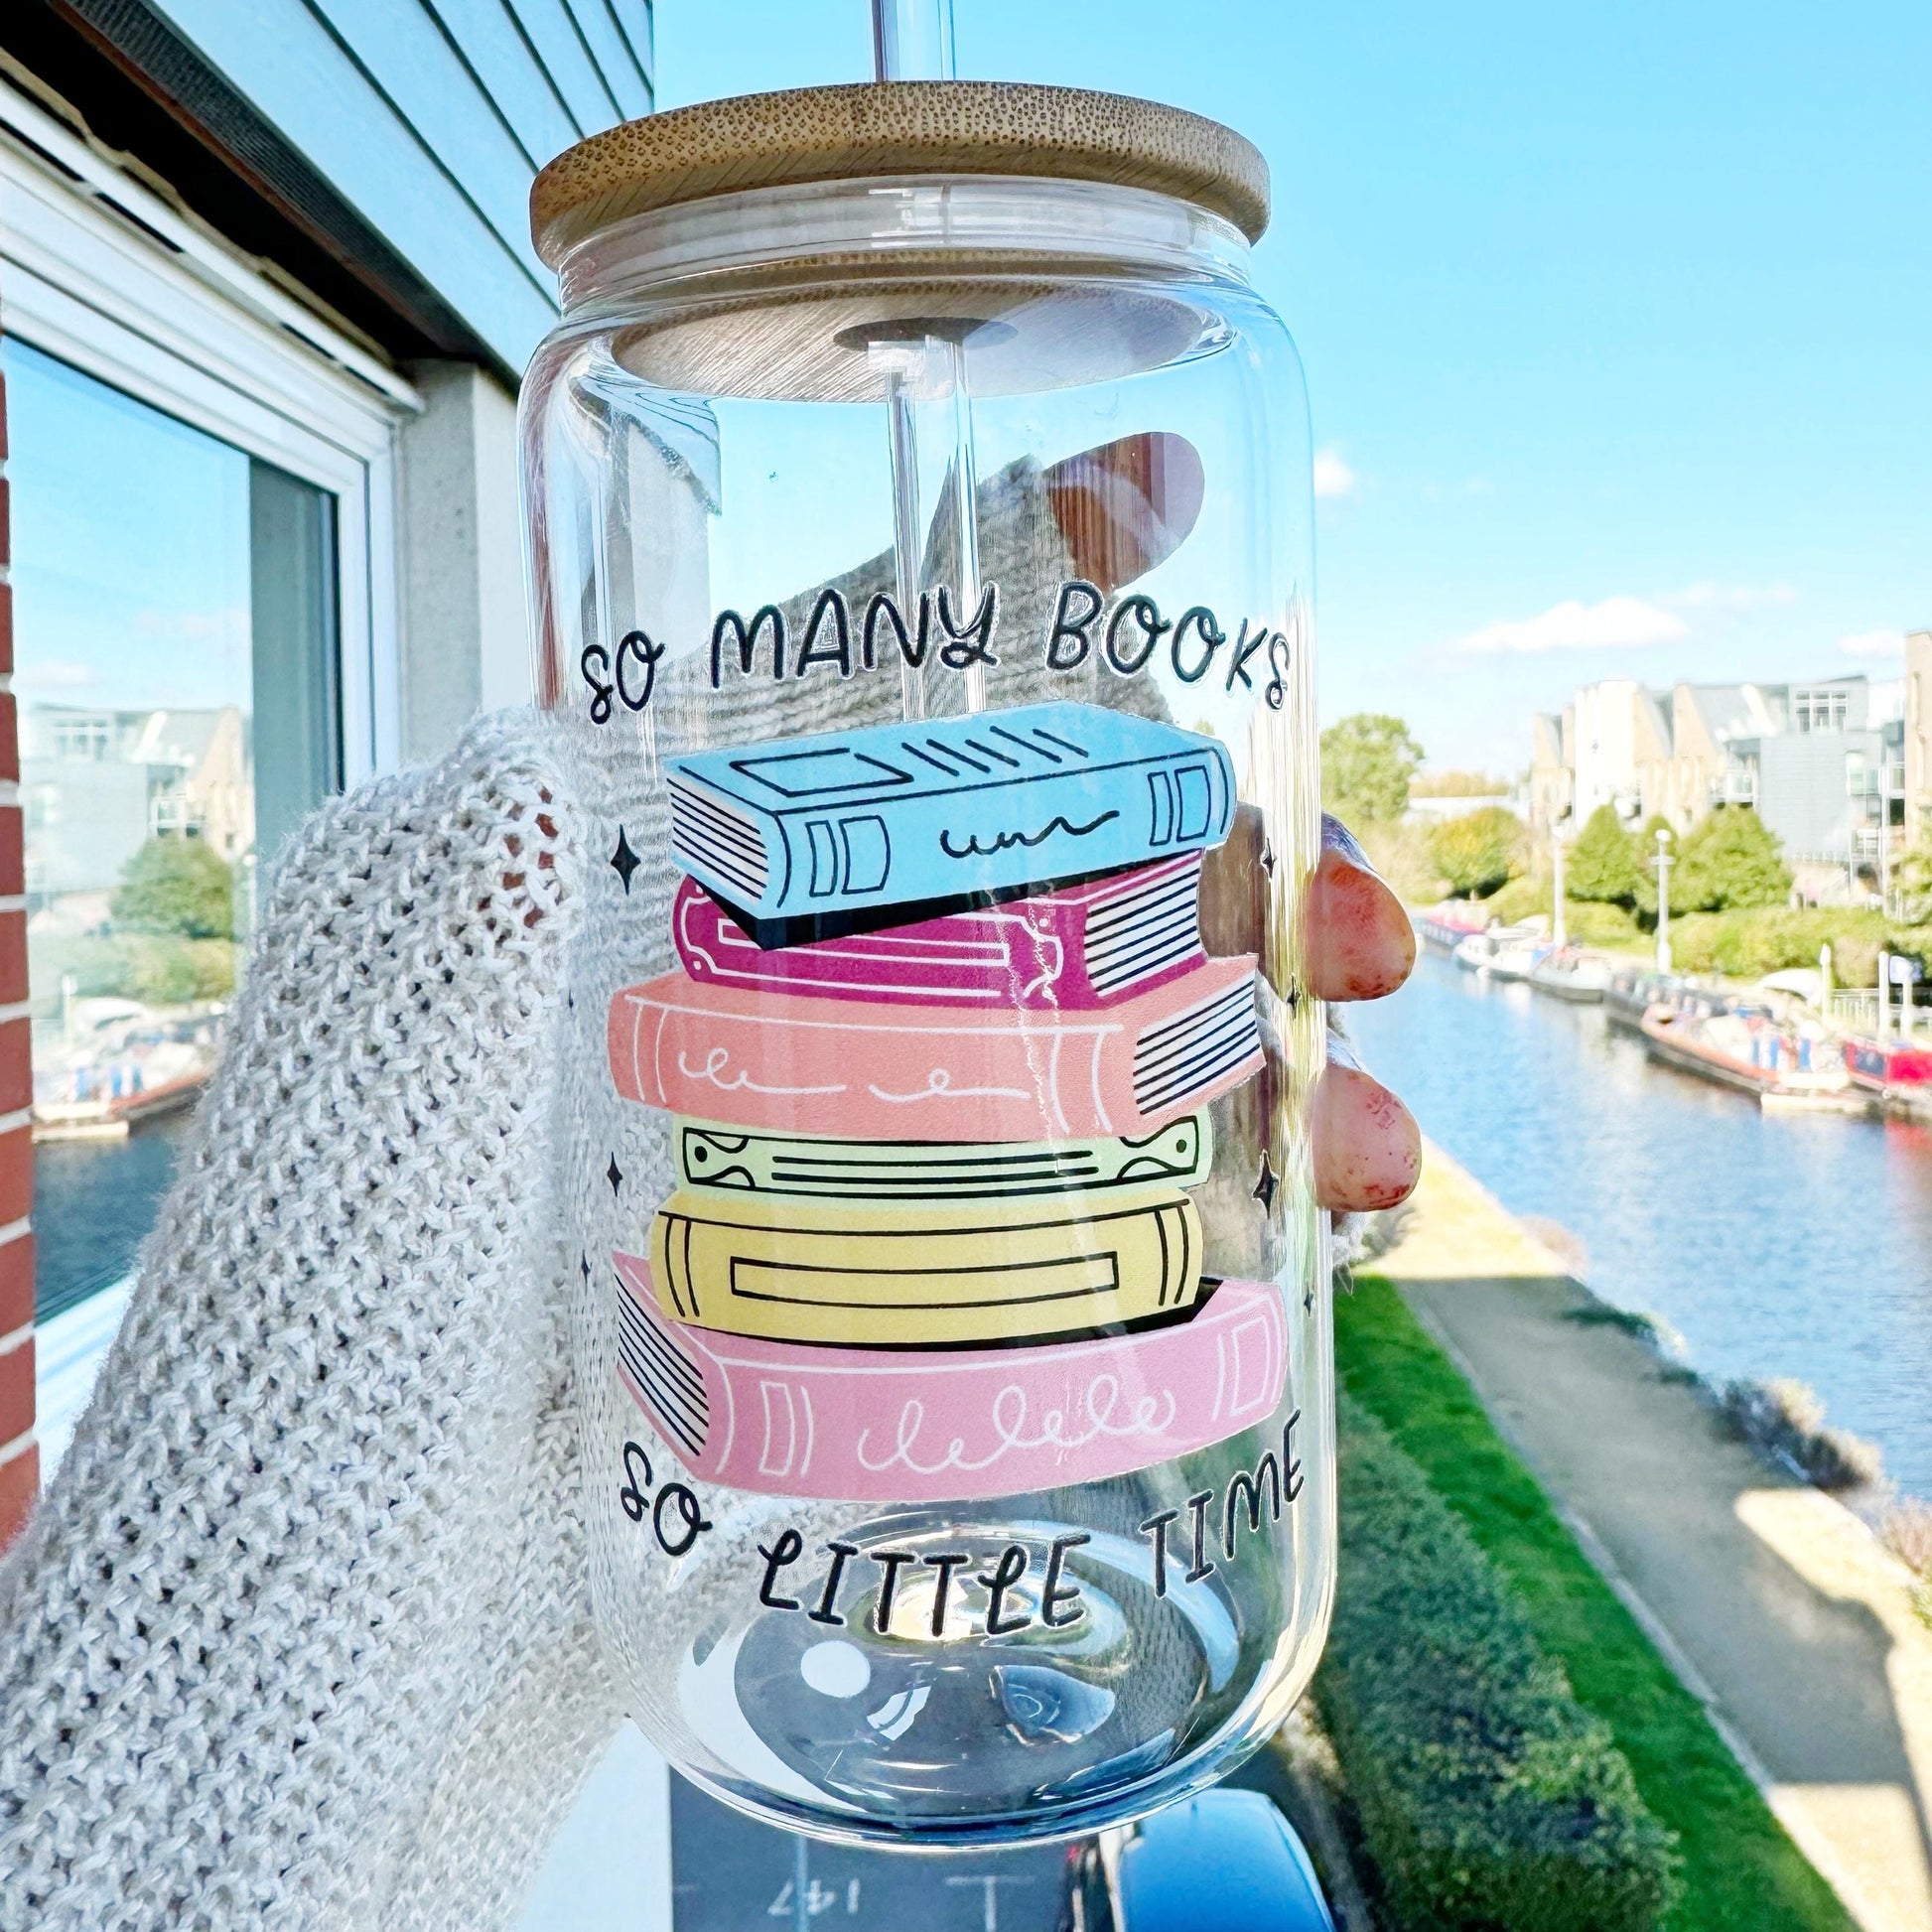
[1459, 784]
[177, 885]
[1603, 864]
[1479, 851]
[1367, 761]
[1911, 879]
[1728, 858]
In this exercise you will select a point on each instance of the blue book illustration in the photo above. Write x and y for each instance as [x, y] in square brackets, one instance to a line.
[902, 814]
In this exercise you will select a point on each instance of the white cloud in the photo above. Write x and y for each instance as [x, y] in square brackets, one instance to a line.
[53, 677]
[1873, 644]
[1706, 595]
[1615, 623]
[1333, 477]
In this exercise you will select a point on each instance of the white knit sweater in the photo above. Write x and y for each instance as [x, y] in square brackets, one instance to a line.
[300, 1635]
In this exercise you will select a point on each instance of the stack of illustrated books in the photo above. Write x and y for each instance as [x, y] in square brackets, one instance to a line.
[940, 1047]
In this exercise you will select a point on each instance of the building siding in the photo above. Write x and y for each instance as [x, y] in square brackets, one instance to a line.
[429, 118]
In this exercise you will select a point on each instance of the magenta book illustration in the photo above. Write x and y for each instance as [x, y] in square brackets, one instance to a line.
[941, 1048]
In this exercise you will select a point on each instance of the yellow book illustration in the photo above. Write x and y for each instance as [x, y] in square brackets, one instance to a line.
[1007, 1271]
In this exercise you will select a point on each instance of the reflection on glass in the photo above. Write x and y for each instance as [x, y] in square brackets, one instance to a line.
[174, 624]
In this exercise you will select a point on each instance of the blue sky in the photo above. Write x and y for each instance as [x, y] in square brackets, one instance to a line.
[1615, 320]
[130, 535]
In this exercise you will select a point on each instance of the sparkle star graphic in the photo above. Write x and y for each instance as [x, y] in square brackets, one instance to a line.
[1268, 858]
[1266, 1185]
[614, 1174]
[1308, 1301]
[584, 1264]
[623, 862]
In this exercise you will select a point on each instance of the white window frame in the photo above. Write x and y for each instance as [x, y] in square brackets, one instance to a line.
[100, 272]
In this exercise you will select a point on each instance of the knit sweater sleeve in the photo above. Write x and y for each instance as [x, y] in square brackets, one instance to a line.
[299, 1635]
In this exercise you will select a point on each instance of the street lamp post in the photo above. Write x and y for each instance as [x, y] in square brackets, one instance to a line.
[1884, 826]
[1663, 862]
[1558, 929]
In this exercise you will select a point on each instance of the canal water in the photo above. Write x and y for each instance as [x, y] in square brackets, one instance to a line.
[1774, 1244]
[94, 1203]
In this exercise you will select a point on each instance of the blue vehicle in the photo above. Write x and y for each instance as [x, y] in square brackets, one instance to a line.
[1225, 1861]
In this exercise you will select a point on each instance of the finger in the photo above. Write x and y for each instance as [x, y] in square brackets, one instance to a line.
[1360, 944]
[1127, 505]
[1367, 1146]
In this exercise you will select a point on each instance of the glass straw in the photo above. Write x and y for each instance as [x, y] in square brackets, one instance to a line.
[912, 40]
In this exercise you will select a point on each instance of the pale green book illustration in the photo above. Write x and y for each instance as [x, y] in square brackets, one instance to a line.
[737, 1161]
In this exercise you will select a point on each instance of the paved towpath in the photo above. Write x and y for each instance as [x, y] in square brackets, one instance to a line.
[1774, 1603]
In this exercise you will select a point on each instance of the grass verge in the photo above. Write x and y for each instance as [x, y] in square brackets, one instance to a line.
[1487, 1794]
[1738, 1868]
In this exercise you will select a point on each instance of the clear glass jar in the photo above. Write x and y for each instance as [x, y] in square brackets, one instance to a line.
[922, 573]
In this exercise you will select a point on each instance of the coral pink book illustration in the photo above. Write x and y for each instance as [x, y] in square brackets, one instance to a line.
[941, 1040]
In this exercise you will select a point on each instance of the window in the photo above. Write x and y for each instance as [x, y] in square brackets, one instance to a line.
[202, 475]
[175, 669]
[1822, 711]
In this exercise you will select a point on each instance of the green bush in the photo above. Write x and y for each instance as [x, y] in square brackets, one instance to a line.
[1479, 851]
[1603, 860]
[1609, 926]
[177, 885]
[1911, 879]
[1915, 941]
[1399, 850]
[157, 969]
[1748, 944]
[1729, 860]
[1458, 785]
[1588, 923]
[1520, 899]
[163, 971]
[1487, 1796]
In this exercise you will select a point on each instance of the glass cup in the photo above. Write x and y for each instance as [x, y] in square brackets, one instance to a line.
[920, 556]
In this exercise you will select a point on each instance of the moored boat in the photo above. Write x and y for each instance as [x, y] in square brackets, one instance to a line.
[1749, 1050]
[1504, 952]
[1517, 957]
[1567, 974]
[1446, 926]
[1884, 1066]
[116, 1063]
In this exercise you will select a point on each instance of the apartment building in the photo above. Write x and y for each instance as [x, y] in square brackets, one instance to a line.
[1831, 764]
[1552, 767]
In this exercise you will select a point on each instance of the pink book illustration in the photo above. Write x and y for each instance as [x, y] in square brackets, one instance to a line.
[905, 1072]
[1080, 947]
[876, 1425]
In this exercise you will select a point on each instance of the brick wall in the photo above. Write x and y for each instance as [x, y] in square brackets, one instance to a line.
[19, 1457]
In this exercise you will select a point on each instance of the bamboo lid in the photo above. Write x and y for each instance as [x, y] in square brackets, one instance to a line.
[897, 127]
